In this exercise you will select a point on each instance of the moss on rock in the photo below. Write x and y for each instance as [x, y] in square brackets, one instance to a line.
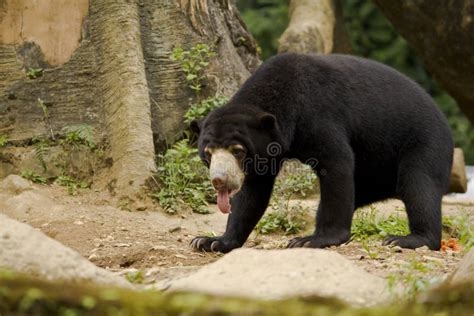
[22, 295]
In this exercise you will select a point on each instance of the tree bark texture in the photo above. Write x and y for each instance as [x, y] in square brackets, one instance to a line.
[442, 34]
[118, 77]
[316, 26]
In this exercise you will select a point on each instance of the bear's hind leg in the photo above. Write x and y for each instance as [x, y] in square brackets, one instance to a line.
[422, 197]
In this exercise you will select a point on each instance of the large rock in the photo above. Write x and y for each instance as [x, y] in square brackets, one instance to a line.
[465, 271]
[458, 180]
[15, 184]
[26, 250]
[276, 274]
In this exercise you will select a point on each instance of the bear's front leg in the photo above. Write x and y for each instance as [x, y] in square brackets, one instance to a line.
[336, 207]
[247, 208]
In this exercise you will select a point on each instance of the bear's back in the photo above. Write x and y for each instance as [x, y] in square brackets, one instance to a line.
[372, 102]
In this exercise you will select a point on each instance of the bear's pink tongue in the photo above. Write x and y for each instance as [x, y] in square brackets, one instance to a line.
[223, 201]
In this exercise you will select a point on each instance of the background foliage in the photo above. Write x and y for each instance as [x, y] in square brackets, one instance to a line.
[371, 36]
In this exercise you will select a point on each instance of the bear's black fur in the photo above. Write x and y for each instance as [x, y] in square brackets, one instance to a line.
[374, 133]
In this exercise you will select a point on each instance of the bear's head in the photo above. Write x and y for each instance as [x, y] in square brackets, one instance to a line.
[236, 142]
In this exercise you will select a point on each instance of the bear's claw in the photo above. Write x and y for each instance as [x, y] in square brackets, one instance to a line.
[411, 242]
[318, 241]
[211, 244]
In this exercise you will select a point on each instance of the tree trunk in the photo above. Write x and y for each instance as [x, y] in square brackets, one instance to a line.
[107, 64]
[442, 34]
[316, 26]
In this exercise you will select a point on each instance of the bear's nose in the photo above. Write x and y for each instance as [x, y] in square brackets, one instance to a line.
[219, 182]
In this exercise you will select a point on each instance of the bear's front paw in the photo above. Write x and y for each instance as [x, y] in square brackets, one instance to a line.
[412, 242]
[214, 244]
[318, 241]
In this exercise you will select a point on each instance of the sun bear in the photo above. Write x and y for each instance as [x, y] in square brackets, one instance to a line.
[369, 132]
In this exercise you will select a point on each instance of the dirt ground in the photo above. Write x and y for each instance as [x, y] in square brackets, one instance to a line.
[158, 244]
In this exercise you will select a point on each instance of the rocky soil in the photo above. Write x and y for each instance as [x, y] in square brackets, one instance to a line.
[143, 238]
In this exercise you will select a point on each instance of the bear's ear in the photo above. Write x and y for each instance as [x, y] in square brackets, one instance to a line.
[195, 126]
[267, 121]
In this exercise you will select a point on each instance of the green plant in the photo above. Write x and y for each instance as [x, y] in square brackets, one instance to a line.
[294, 179]
[125, 204]
[80, 134]
[209, 234]
[33, 176]
[44, 107]
[412, 278]
[42, 147]
[289, 221]
[135, 277]
[183, 180]
[201, 109]
[460, 227]
[73, 185]
[193, 63]
[367, 224]
[34, 73]
[3, 140]
[371, 253]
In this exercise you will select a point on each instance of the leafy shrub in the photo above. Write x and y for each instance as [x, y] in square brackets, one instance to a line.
[460, 227]
[81, 134]
[201, 109]
[75, 138]
[289, 221]
[294, 179]
[33, 176]
[368, 224]
[3, 140]
[34, 73]
[193, 63]
[73, 185]
[183, 179]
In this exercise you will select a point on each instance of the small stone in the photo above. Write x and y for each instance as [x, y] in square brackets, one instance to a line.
[159, 247]
[151, 272]
[93, 257]
[124, 229]
[122, 245]
[422, 249]
[141, 207]
[180, 256]
[45, 225]
[175, 229]
[79, 223]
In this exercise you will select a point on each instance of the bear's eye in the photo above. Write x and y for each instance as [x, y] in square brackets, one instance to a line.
[207, 153]
[238, 151]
